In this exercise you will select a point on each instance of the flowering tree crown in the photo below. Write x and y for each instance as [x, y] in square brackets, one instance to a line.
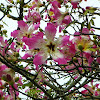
[51, 52]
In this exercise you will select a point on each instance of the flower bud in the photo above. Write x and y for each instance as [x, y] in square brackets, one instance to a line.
[40, 30]
[4, 31]
[80, 47]
[16, 79]
[95, 41]
[18, 1]
[16, 54]
[75, 59]
[9, 78]
[99, 44]
[64, 31]
[94, 36]
[8, 15]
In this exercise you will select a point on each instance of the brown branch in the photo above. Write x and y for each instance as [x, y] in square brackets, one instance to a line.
[10, 65]
[12, 17]
[27, 2]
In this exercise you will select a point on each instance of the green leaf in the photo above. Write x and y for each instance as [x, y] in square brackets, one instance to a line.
[92, 22]
[16, 79]
[82, 25]
[69, 82]
[89, 25]
[4, 23]
[85, 13]
[92, 49]
[27, 84]
[91, 11]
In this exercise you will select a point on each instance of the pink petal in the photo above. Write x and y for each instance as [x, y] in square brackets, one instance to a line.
[36, 26]
[96, 93]
[22, 25]
[77, 33]
[50, 31]
[61, 61]
[60, 28]
[85, 31]
[1, 38]
[24, 46]
[74, 4]
[90, 60]
[98, 60]
[26, 56]
[72, 48]
[15, 33]
[97, 85]
[65, 40]
[38, 60]
[56, 4]
[84, 92]
[12, 45]
[33, 42]
[67, 20]
[86, 86]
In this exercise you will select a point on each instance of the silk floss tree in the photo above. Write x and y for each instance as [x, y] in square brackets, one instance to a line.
[53, 54]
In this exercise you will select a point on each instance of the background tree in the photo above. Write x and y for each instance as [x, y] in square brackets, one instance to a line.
[44, 56]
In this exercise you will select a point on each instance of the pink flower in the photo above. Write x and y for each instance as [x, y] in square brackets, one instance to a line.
[71, 47]
[84, 92]
[25, 30]
[1, 94]
[56, 4]
[84, 41]
[54, 13]
[33, 16]
[36, 3]
[68, 48]
[2, 84]
[24, 46]
[2, 68]
[96, 93]
[75, 3]
[85, 31]
[20, 81]
[89, 58]
[61, 19]
[12, 45]
[93, 89]
[46, 46]
[1, 39]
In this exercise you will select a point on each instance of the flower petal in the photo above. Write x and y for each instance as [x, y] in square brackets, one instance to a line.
[50, 31]
[22, 25]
